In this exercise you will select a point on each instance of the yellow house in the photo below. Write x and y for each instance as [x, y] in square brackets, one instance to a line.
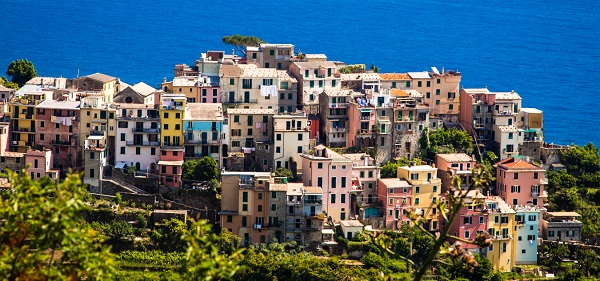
[426, 190]
[501, 225]
[23, 116]
[97, 119]
[172, 110]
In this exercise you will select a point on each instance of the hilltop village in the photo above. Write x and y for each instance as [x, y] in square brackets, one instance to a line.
[331, 125]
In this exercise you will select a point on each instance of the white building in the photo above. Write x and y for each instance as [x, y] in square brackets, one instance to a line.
[291, 140]
[137, 141]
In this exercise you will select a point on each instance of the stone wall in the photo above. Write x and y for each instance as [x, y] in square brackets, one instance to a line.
[531, 149]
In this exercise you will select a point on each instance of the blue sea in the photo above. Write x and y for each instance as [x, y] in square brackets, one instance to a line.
[548, 51]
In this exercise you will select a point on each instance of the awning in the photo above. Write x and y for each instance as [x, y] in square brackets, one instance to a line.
[120, 165]
[365, 110]
[95, 137]
[170, 163]
[530, 131]
[327, 231]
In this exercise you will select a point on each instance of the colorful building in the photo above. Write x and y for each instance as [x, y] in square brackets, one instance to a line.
[454, 164]
[171, 114]
[396, 197]
[426, 192]
[58, 124]
[203, 126]
[521, 183]
[332, 172]
[138, 136]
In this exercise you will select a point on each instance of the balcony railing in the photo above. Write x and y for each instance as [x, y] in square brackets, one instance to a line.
[96, 133]
[63, 142]
[146, 130]
[241, 101]
[314, 201]
[339, 105]
[213, 142]
[145, 118]
[142, 143]
[24, 130]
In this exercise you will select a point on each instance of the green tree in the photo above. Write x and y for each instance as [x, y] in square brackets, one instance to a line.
[283, 172]
[565, 200]
[205, 258]
[170, 236]
[390, 169]
[188, 170]
[205, 169]
[558, 180]
[8, 84]
[581, 159]
[21, 71]
[445, 141]
[240, 42]
[42, 235]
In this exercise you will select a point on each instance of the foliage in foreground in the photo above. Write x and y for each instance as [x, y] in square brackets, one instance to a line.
[42, 235]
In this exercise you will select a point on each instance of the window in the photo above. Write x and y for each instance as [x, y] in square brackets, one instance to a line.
[516, 176]
[343, 182]
[166, 115]
[333, 182]
[362, 174]
[229, 218]
[153, 151]
[166, 126]
[122, 136]
[273, 194]
[177, 127]
[504, 247]
[319, 165]
[467, 234]
[532, 237]
[41, 136]
[416, 201]
[550, 233]
[244, 207]
[532, 218]
[320, 181]
[92, 173]
[122, 150]
[343, 198]
[273, 207]
[244, 196]
[437, 101]
[333, 167]
[504, 220]
[417, 189]
[515, 189]
[332, 198]
[434, 188]
[393, 84]
[450, 107]
[481, 220]
[299, 150]
[260, 208]
[419, 83]
[244, 221]
[467, 220]
[137, 151]
[300, 137]
[278, 149]
[510, 136]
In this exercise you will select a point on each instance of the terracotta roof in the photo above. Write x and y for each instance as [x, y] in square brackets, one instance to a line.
[101, 77]
[563, 214]
[230, 70]
[455, 157]
[395, 182]
[285, 76]
[516, 164]
[351, 223]
[394, 76]
[314, 64]
[203, 111]
[278, 187]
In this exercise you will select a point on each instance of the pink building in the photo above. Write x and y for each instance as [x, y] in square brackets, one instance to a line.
[520, 183]
[57, 123]
[472, 219]
[396, 195]
[169, 167]
[40, 164]
[450, 164]
[331, 172]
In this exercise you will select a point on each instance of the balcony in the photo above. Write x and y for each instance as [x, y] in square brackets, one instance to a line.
[24, 130]
[365, 117]
[339, 105]
[208, 142]
[146, 130]
[97, 133]
[259, 226]
[241, 101]
[63, 143]
[142, 143]
[502, 237]
[172, 107]
[22, 143]
[140, 118]
[314, 201]
[172, 145]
